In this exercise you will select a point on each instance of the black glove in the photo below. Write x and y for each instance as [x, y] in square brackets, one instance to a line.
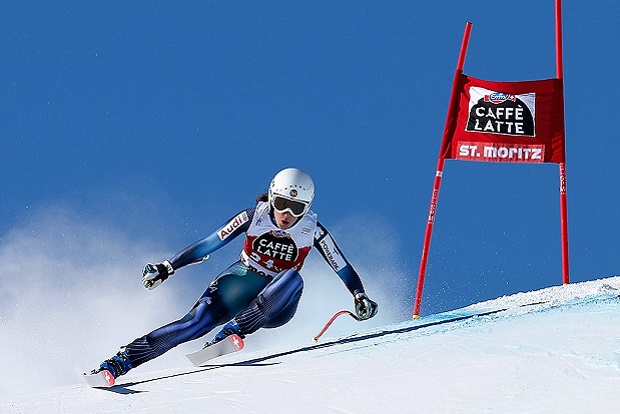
[365, 307]
[154, 274]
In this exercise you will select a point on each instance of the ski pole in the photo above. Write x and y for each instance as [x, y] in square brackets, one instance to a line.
[332, 319]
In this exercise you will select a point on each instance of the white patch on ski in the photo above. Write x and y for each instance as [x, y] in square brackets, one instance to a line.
[101, 379]
[232, 343]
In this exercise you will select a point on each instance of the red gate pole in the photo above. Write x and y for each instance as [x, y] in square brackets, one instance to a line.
[438, 175]
[563, 203]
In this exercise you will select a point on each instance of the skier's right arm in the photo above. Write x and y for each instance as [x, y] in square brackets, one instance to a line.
[154, 274]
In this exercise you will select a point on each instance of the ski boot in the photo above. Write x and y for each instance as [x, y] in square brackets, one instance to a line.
[112, 368]
[229, 329]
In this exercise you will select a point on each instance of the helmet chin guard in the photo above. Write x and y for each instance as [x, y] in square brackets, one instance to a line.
[294, 185]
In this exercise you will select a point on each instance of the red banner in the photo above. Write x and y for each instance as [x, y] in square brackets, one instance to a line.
[506, 121]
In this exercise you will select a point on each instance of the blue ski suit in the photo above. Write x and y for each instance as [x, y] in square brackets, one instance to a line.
[261, 290]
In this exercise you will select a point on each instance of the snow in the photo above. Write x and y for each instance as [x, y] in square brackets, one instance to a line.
[551, 350]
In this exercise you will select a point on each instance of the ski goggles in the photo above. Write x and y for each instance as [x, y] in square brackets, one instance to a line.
[296, 208]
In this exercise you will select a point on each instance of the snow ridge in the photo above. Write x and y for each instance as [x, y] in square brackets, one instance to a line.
[552, 350]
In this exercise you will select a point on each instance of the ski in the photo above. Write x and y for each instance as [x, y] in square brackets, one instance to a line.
[231, 344]
[99, 379]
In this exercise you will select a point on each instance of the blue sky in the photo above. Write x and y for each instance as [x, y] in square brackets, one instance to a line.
[161, 120]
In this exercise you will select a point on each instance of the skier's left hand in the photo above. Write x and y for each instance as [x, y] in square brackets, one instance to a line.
[154, 274]
[365, 307]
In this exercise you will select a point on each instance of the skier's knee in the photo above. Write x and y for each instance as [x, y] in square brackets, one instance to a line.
[289, 280]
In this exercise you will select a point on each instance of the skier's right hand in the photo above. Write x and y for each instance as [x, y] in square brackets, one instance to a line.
[154, 274]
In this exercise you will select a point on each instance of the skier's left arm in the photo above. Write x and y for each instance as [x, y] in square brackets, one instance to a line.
[329, 250]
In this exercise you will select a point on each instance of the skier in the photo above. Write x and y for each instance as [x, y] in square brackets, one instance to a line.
[263, 288]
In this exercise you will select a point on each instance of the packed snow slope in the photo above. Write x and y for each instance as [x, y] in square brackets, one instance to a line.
[546, 351]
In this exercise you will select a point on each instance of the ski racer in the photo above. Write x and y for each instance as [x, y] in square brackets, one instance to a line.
[263, 288]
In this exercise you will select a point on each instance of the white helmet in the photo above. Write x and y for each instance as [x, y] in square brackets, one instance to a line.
[291, 190]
